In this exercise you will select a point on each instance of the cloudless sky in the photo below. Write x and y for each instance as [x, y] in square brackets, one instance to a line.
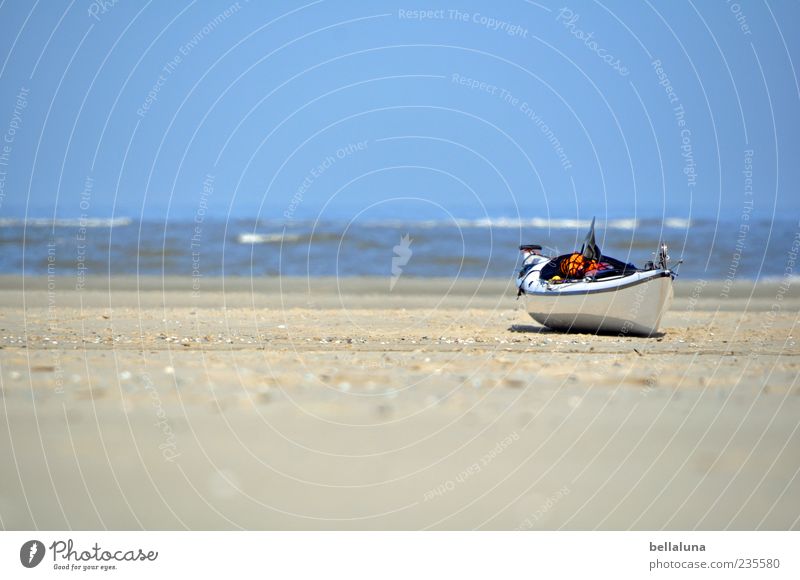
[340, 109]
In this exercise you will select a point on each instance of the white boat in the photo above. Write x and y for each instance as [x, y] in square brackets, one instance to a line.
[609, 297]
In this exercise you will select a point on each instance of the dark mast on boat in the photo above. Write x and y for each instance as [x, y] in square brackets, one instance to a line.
[589, 249]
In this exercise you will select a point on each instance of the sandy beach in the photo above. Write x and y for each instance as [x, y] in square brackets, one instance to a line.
[275, 404]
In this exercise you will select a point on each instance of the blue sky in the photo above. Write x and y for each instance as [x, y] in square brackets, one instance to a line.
[399, 110]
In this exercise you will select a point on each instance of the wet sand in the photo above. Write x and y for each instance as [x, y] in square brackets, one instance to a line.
[273, 405]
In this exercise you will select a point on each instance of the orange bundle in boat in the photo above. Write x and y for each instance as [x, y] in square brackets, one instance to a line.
[576, 265]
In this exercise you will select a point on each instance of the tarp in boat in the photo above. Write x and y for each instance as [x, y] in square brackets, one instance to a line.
[589, 259]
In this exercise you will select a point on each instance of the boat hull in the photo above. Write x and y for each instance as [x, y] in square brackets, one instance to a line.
[633, 305]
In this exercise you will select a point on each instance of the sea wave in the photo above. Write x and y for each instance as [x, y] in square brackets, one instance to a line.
[253, 238]
[500, 222]
[535, 222]
[789, 279]
[508, 223]
[66, 222]
[677, 223]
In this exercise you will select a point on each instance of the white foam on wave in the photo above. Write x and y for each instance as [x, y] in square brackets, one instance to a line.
[508, 222]
[66, 222]
[253, 238]
[677, 223]
[535, 222]
[790, 279]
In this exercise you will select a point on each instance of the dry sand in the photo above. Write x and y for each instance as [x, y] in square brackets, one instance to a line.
[273, 405]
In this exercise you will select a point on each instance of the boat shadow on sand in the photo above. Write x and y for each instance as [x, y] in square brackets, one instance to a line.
[534, 329]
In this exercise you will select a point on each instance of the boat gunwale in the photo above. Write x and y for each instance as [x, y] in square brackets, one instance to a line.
[555, 292]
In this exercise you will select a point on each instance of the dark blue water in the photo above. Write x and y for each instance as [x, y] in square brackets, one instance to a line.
[469, 248]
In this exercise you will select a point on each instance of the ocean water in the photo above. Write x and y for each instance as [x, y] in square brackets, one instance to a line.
[461, 248]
